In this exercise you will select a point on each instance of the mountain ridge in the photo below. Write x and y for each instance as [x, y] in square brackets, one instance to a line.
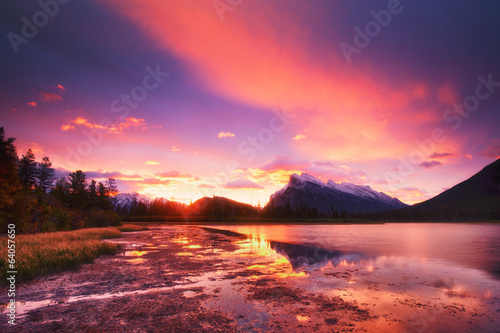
[306, 190]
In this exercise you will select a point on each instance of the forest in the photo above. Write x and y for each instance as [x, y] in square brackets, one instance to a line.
[32, 198]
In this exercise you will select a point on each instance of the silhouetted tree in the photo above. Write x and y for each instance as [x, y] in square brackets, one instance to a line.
[27, 170]
[103, 197]
[111, 187]
[77, 188]
[93, 197]
[45, 174]
[9, 178]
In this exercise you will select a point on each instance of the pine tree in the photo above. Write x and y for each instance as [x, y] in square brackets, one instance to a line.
[27, 170]
[103, 197]
[9, 178]
[93, 198]
[45, 174]
[111, 187]
[61, 191]
[78, 186]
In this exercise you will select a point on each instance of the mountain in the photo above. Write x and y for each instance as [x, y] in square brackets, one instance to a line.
[481, 192]
[125, 203]
[221, 207]
[308, 191]
[135, 204]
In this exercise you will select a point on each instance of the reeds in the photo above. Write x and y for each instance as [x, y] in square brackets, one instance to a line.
[131, 227]
[46, 253]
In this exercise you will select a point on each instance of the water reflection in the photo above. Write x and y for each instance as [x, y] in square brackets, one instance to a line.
[412, 294]
[305, 255]
[472, 245]
[286, 260]
[135, 253]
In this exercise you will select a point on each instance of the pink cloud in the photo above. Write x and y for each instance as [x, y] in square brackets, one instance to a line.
[225, 135]
[286, 163]
[430, 164]
[117, 128]
[363, 110]
[33, 104]
[172, 174]
[49, 97]
[492, 150]
[443, 155]
[206, 186]
[299, 137]
[241, 183]
[61, 89]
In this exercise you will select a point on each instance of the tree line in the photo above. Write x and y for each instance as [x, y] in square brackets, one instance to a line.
[32, 198]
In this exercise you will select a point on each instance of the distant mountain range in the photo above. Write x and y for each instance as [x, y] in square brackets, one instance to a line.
[305, 196]
[308, 191]
[221, 207]
[140, 205]
[126, 202]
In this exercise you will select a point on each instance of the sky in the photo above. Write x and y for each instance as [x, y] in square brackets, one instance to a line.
[185, 99]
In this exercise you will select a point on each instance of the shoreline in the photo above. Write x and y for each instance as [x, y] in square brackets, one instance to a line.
[181, 278]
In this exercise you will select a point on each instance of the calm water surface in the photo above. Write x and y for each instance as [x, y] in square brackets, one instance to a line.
[467, 245]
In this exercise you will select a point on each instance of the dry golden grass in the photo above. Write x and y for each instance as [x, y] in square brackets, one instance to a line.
[131, 227]
[42, 254]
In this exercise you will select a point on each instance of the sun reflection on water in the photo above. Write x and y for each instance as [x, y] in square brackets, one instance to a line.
[277, 265]
[135, 253]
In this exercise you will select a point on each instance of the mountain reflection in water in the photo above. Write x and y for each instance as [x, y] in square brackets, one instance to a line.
[299, 256]
[306, 255]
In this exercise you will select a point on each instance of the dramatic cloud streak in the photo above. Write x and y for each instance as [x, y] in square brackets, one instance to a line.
[243, 98]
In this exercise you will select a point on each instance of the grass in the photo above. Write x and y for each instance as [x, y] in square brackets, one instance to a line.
[46, 253]
[132, 227]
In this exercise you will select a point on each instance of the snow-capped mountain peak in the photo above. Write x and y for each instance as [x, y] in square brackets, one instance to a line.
[124, 201]
[308, 190]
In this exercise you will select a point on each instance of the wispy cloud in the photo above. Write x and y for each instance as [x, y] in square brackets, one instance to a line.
[299, 137]
[62, 90]
[225, 135]
[430, 164]
[242, 183]
[172, 174]
[117, 128]
[206, 186]
[49, 97]
[443, 155]
[286, 163]
[492, 150]
[152, 163]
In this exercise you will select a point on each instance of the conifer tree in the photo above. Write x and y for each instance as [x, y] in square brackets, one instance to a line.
[9, 178]
[61, 190]
[78, 189]
[93, 198]
[45, 174]
[111, 187]
[27, 170]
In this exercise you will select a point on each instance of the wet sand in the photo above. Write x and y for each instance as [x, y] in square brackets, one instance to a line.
[188, 279]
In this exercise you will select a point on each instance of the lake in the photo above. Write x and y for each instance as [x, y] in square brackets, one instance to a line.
[413, 277]
[466, 245]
